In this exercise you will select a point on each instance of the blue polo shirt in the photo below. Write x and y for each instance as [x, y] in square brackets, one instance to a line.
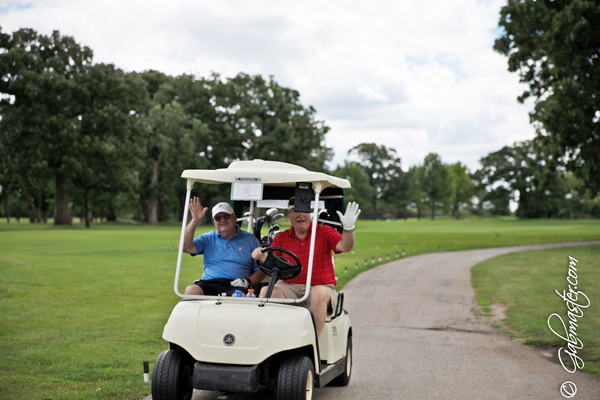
[227, 258]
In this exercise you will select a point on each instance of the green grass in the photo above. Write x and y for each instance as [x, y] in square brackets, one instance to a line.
[375, 239]
[525, 282]
[81, 309]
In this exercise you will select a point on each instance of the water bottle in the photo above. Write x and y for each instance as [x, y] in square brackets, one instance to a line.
[237, 293]
[250, 293]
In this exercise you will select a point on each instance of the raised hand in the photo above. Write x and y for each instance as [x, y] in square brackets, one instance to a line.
[350, 217]
[196, 209]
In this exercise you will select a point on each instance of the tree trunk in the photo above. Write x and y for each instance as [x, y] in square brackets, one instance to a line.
[30, 206]
[151, 201]
[62, 216]
[181, 203]
[456, 211]
[86, 208]
[162, 211]
[38, 206]
[111, 216]
[7, 208]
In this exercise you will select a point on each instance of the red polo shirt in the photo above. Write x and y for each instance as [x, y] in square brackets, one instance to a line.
[323, 272]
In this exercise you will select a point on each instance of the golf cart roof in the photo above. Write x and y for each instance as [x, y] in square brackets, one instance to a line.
[272, 173]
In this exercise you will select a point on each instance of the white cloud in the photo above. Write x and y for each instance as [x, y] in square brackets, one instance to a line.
[419, 77]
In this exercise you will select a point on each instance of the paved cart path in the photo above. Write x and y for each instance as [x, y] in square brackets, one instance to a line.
[416, 336]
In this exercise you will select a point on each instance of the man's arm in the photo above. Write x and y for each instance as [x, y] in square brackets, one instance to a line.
[197, 215]
[347, 242]
[256, 277]
[348, 220]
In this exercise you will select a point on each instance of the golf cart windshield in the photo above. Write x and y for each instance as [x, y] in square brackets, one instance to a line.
[255, 182]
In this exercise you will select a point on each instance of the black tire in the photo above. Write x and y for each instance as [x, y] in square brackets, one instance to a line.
[344, 378]
[172, 376]
[296, 378]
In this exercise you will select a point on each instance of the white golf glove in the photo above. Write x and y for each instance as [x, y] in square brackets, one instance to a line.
[239, 282]
[348, 219]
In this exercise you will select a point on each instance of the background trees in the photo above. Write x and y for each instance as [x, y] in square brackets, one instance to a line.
[110, 140]
[85, 139]
[39, 108]
[382, 167]
[436, 183]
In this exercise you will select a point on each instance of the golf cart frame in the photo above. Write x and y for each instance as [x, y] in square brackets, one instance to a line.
[243, 344]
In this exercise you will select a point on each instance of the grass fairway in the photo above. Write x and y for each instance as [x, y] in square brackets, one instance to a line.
[525, 282]
[81, 309]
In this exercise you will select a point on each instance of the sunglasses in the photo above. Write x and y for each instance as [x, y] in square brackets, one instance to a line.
[224, 216]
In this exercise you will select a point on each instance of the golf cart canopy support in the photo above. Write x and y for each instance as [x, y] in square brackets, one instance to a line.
[269, 173]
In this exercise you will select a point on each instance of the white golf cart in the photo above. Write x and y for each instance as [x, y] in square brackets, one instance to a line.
[243, 344]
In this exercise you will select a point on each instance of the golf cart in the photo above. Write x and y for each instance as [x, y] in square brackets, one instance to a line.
[244, 344]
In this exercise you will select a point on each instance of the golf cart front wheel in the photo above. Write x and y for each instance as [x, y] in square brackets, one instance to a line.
[296, 378]
[172, 376]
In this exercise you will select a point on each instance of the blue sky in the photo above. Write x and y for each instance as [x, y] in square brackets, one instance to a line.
[416, 76]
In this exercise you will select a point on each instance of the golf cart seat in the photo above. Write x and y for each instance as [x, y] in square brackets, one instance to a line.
[339, 309]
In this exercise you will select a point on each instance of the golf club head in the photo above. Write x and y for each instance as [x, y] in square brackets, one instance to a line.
[274, 228]
[277, 216]
[259, 223]
[271, 211]
[323, 214]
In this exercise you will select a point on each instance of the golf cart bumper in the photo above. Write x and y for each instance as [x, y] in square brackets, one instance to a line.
[226, 378]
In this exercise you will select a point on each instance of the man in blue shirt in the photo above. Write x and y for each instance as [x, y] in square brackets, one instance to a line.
[228, 262]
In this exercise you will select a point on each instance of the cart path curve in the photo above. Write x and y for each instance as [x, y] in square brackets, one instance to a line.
[417, 336]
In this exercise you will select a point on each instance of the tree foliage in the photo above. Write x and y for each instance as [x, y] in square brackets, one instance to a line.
[387, 179]
[527, 174]
[109, 139]
[361, 191]
[462, 188]
[555, 48]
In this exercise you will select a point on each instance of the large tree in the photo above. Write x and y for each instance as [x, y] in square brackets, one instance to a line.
[109, 103]
[529, 174]
[382, 166]
[436, 183]
[267, 121]
[555, 48]
[38, 82]
[361, 190]
[462, 187]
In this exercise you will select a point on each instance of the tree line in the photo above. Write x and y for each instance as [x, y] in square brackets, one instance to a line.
[81, 139]
[525, 174]
[86, 139]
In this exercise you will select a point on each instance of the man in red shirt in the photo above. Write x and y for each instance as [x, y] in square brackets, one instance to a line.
[323, 297]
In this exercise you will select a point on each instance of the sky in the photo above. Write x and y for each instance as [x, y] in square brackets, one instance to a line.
[415, 76]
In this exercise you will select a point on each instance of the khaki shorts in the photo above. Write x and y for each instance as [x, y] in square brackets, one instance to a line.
[296, 291]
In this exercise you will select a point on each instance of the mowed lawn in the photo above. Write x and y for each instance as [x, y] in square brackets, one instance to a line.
[81, 309]
[525, 284]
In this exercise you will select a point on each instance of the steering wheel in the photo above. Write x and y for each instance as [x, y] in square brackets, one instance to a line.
[284, 268]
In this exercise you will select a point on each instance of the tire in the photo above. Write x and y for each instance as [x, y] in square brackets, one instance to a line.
[344, 378]
[172, 376]
[296, 378]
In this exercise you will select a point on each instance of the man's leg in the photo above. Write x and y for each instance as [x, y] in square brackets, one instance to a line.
[194, 289]
[277, 293]
[319, 300]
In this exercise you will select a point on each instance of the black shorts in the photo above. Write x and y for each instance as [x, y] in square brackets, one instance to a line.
[214, 287]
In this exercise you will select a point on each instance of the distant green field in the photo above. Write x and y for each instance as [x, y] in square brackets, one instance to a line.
[81, 309]
[525, 283]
